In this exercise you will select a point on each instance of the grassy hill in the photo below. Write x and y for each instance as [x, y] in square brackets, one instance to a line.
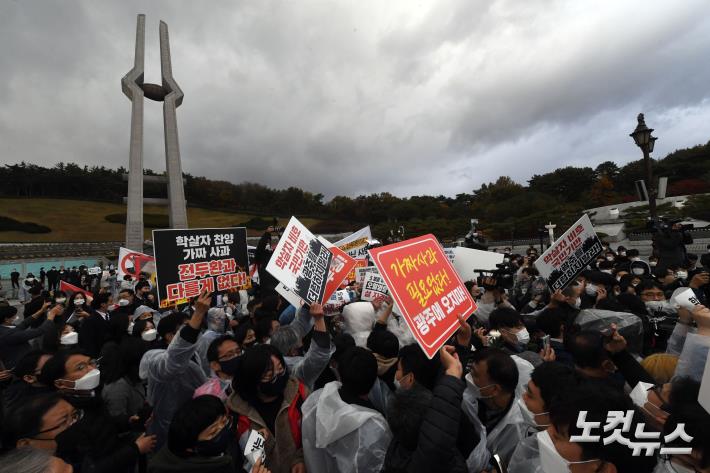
[79, 220]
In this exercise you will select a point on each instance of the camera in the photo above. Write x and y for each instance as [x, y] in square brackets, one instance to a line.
[501, 278]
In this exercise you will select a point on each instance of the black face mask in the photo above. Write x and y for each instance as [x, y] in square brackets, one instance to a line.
[275, 388]
[230, 366]
[215, 446]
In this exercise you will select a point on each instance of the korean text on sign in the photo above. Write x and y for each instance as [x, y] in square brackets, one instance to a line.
[426, 288]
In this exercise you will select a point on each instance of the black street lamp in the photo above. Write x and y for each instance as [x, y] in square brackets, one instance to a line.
[644, 140]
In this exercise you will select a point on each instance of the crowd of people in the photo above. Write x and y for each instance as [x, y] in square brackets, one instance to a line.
[103, 380]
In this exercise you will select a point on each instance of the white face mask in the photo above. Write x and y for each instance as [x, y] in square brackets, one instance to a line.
[639, 395]
[71, 338]
[607, 271]
[123, 302]
[610, 258]
[637, 271]
[635, 258]
[79, 301]
[89, 381]
[225, 298]
[523, 337]
[550, 460]
[475, 389]
[660, 306]
[591, 289]
[60, 300]
[529, 416]
[622, 253]
[578, 303]
[652, 263]
[681, 275]
[149, 335]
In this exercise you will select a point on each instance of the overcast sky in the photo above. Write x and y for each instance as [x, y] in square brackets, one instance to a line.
[360, 96]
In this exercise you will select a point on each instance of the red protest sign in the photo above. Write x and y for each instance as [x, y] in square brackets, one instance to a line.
[426, 288]
[340, 266]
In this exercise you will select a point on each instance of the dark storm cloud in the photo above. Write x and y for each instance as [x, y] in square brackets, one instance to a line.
[354, 97]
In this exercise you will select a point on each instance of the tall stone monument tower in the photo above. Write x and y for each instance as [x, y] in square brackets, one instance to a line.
[170, 94]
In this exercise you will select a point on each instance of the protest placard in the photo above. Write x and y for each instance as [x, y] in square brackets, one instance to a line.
[569, 255]
[340, 266]
[449, 254]
[362, 271]
[426, 289]
[355, 244]
[190, 261]
[301, 262]
[466, 260]
[373, 287]
[132, 263]
[290, 296]
[337, 301]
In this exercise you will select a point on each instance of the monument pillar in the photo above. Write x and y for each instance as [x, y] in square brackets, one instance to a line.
[171, 95]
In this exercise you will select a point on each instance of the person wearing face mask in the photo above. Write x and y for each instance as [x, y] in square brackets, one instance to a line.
[514, 334]
[268, 399]
[76, 309]
[26, 383]
[200, 440]
[15, 338]
[661, 316]
[245, 334]
[547, 382]
[69, 337]
[94, 438]
[27, 459]
[174, 373]
[288, 340]
[146, 331]
[223, 356]
[491, 403]
[358, 441]
[560, 453]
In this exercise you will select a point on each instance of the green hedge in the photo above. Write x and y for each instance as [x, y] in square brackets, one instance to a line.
[8, 224]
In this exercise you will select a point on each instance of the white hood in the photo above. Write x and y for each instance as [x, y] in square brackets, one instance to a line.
[335, 419]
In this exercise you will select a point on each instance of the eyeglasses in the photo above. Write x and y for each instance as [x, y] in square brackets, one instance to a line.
[230, 355]
[94, 363]
[68, 421]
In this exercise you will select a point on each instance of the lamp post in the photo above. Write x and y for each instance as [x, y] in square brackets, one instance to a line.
[644, 140]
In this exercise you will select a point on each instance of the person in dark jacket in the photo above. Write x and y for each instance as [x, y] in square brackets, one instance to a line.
[95, 437]
[26, 383]
[95, 329]
[14, 339]
[552, 322]
[200, 440]
[424, 432]
[267, 283]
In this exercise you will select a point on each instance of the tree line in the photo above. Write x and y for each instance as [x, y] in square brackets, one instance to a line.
[505, 209]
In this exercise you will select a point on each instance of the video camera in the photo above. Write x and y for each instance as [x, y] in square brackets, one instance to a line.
[502, 278]
[666, 225]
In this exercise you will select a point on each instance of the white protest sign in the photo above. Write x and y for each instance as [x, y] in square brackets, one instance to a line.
[290, 296]
[466, 260]
[301, 262]
[95, 271]
[133, 263]
[373, 287]
[355, 244]
[449, 252]
[360, 273]
[254, 450]
[685, 297]
[569, 255]
[337, 301]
